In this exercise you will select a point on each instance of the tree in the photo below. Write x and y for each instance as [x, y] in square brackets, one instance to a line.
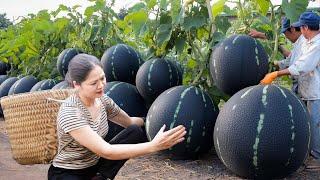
[4, 22]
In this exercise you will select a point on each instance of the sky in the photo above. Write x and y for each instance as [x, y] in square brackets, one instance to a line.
[16, 8]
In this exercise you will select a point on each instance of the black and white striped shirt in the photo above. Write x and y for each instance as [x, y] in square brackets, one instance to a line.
[74, 115]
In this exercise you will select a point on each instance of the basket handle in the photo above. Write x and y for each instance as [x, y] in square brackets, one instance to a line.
[56, 100]
[59, 101]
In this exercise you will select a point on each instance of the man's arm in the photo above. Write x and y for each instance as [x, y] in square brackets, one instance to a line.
[257, 34]
[306, 63]
[284, 51]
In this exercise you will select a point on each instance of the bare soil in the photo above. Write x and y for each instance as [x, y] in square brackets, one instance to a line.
[155, 166]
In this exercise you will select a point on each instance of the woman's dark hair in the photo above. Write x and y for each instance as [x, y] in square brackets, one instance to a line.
[79, 68]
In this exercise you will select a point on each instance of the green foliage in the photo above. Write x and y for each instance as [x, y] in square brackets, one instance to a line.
[217, 7]
[294, 8]
[263, 6]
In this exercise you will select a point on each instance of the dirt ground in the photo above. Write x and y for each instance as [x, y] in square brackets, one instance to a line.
[156, 166]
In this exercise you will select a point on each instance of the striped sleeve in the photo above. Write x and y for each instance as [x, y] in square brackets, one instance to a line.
[70, 118]
[111, 107]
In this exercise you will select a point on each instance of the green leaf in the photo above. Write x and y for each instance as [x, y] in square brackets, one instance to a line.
[165, 19]
[105, 29]
[43, 15]
[262, 24]
[263, 6]
[44, 26]
[136, 7]
[216, 38]
[143, 30]
[195, 21]
[89, 11]
[75, 7]
[30, 52]
[230, 12]
[4, 59]
[217, 7]
[187, 78]
[120, 24]
[61, 23]
[179, 44]
[32, 48]
[151, 3]
[100, 4]
[191, 63]
[294, 8]
[63, 7]
[138, 19]
[164, 4]
[94, 32]
[222, 23]
[176, 11]
[202, 33]
[217, 95]
[73, 17]
[163, 34]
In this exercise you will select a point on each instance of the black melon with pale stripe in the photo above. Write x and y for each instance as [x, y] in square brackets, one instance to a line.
[5, 87]
[43, 85]
[127, 97]
[121, 63]
[4, 67]
[188, 106]
[238, 62]
[263, 132]
[61, 85]
[3, 78]
[156, 76]
[23, 85]
[64, 58]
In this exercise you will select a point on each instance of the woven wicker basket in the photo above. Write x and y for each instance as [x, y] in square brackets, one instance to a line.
[31, 124]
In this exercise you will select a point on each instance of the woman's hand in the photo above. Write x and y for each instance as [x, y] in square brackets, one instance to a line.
[166, 139]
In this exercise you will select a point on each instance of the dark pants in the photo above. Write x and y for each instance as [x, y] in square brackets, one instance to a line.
[106, 168]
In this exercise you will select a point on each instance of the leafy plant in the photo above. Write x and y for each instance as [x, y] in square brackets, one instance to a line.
[180, 30]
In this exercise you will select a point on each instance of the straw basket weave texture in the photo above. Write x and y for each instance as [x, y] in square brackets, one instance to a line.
[31, 124]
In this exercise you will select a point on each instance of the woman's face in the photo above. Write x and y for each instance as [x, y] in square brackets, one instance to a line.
[93, 86]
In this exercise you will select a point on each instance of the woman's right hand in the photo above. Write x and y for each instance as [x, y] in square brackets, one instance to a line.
[166, 139]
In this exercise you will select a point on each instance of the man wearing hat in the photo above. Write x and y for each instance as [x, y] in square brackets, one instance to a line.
[290, 33]
[294, 35]
[307, 68]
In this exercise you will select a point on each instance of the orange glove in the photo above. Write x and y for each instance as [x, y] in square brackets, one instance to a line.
[269, 78]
